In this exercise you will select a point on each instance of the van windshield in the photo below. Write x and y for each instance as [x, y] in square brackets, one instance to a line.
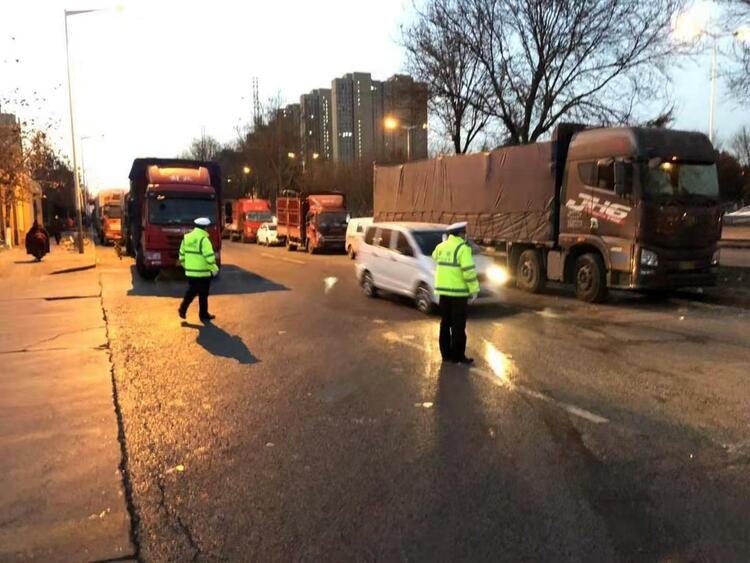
[428, 240]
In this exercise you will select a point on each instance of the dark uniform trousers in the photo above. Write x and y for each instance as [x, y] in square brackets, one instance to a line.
[199, 287]
[453, 312]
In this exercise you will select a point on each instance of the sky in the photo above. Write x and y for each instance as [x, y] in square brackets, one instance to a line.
[149, 75]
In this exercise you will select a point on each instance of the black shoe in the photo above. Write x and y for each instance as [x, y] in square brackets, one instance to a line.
[207, 318]
[466, 361]
[181, 313]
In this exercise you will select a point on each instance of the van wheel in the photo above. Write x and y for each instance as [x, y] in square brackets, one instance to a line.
[351, 253]
[530, 275]
[591, 281]
[368, 286]
[423, 300]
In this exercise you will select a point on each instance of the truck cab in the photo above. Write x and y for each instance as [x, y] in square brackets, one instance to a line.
[643, 206]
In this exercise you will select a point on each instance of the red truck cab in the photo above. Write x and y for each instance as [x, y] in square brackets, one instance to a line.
[248, 214]
[313, 221]
[166, 197]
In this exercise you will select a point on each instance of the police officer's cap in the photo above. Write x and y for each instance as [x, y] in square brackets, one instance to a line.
[202, 221]
[456, 228]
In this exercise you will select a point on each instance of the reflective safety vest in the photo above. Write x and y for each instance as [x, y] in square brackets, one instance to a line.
[455, 272]
[197, 254]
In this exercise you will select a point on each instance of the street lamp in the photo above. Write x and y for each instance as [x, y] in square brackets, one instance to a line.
[76, 181]
[692, 25]
[291, 155]
[246, 170]
[391, 124]
[315, 156]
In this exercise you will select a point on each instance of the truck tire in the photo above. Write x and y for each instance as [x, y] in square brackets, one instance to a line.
[290, 247]
[530, 274]
[591, 279]
[243, 238]
[368, 285]
[148, 274]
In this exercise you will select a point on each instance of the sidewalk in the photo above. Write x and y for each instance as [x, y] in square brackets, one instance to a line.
[61, 490]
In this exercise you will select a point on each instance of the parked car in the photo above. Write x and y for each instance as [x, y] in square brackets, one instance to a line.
[355, 231]
[397, 257]
[739, 217]
[267, 234]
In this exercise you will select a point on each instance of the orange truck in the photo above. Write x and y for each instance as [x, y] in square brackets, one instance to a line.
[248, 214]
[108, 215]
[315, 221]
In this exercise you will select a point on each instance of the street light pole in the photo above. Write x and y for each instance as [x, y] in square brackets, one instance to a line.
[712, 110]
[79, 219]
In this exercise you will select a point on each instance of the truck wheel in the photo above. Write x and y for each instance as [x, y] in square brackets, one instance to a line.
[368, 286]
[530, 274]
[423, 300]
[591, 281]
[290, 247]
[148, 274]
[243, 238]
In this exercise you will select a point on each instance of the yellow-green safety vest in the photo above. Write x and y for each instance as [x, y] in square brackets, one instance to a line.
[197, 254]
[455, 272]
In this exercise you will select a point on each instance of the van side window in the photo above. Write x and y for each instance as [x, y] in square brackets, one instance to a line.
[587, 173]
[384, 240]
[370, 235]
[605, 176]
[360, 227]
[402, 245]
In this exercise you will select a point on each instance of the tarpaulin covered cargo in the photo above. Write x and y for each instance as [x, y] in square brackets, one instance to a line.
[505, 195]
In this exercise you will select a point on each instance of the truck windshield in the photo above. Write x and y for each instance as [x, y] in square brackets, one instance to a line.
[113, 211]
[176, 211]
[332, 219]
[258, 217]
[674, 180]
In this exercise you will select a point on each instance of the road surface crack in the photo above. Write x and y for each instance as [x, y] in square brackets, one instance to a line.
[124, 466]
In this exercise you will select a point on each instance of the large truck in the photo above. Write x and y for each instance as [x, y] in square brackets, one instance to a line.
[627, 208]
[108, 215]
[315, 221]
[165, 197]
[248, 214]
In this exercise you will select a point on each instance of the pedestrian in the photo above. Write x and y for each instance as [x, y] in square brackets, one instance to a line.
[456, 283]
[199, 262]
[54, 229]
[37, 241]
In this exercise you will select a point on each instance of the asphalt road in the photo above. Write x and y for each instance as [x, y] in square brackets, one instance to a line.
[311, 423]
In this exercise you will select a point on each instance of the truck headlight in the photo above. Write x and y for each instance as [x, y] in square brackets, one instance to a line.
[716, 258]
[497, 275]
[649, 258]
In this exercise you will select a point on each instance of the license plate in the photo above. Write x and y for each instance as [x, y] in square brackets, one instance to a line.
[687, 266]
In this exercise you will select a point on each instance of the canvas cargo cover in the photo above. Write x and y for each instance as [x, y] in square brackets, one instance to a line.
[505, 195]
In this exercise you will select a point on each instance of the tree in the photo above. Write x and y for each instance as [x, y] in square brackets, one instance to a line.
[740, 146]
[437, 56]
[204, 147]
[583, 60]
[739, 72]
[731, 177]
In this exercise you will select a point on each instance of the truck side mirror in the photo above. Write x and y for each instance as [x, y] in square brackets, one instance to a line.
[622, 178]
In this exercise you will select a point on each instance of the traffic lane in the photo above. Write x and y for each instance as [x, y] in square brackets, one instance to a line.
[327, 448]
[625, 517]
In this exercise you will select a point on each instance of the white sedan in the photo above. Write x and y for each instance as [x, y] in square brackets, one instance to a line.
[267, 234]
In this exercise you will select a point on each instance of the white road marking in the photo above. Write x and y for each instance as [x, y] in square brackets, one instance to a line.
[283, 258]
[507, 384]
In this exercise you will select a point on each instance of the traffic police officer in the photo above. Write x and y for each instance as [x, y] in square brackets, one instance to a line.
[455, 282]
[199, 261]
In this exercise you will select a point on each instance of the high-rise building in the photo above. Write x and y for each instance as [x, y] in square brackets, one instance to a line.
[315, 125]
[405, 101]
[355, 110]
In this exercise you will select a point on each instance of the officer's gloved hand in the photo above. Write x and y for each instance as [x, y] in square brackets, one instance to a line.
[473, 298]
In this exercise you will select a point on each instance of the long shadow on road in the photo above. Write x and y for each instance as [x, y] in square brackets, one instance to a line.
[218, 342]
[232, 281]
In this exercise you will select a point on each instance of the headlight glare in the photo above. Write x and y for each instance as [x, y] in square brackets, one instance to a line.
[497, 275]
[649, 258]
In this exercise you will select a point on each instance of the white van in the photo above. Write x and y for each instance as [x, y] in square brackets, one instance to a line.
[397, 257]
[355, 230]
